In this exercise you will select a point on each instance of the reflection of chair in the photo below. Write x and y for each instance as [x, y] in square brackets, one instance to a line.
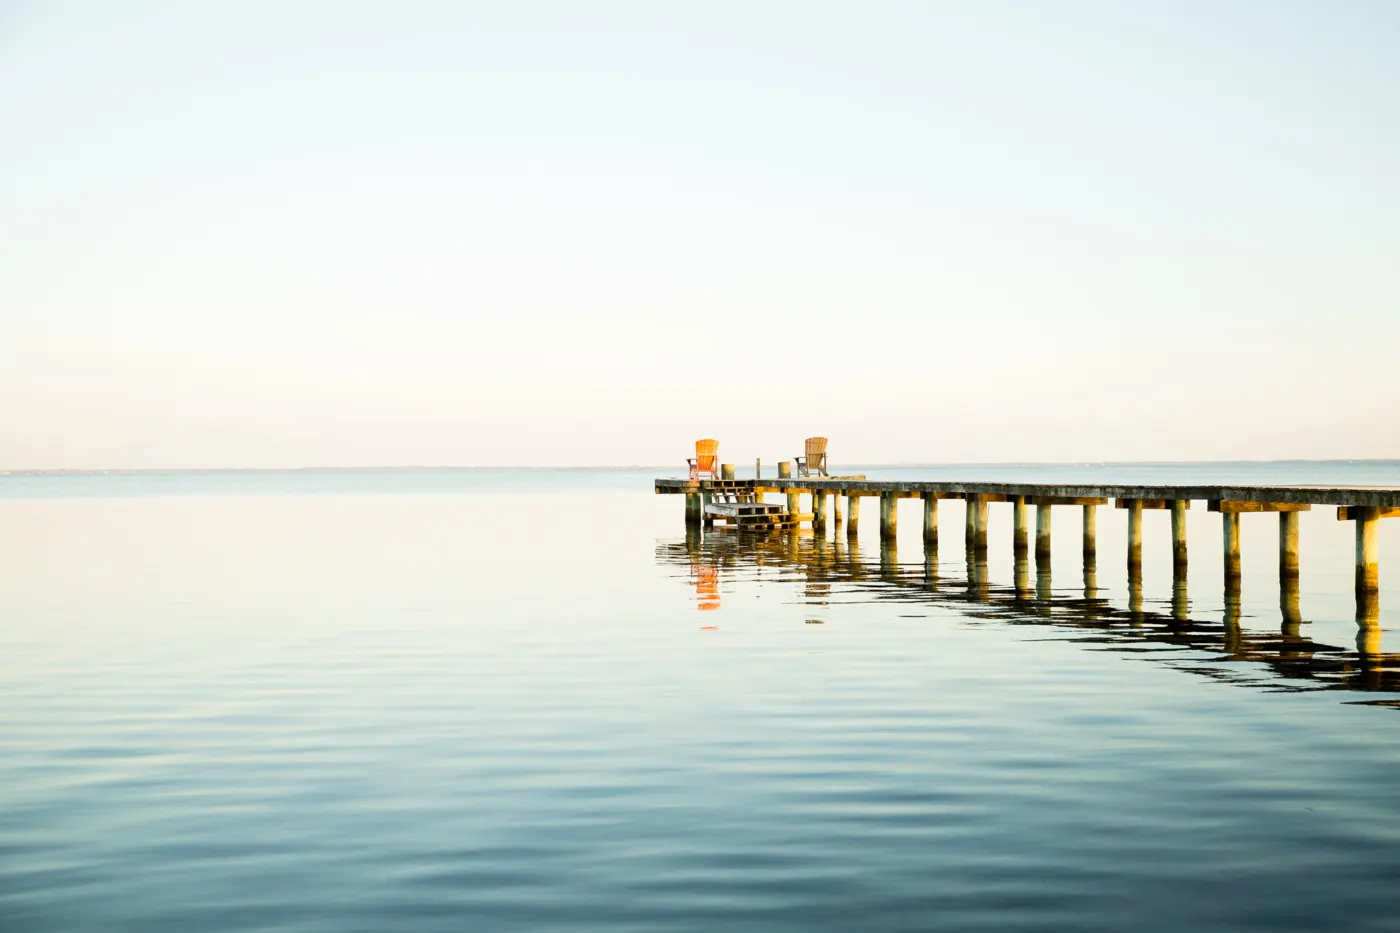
[706, 459]
[707, 588]
[815, 461]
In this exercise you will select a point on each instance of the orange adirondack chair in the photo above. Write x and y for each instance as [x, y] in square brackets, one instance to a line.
[815, 460]
[706, 459]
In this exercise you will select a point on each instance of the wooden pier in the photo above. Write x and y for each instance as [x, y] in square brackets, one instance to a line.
[1363, 505]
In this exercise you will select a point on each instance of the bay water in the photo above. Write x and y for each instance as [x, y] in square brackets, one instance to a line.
[530, 700]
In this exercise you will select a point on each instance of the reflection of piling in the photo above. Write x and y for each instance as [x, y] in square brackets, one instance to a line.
[1135, 593]
[1368, 614]
[931, 520]
[1023, 576]
[1019, 530]
[1091, 579]
[1181, 605]
[889, 558]
[931, 564]
[982, 581]
[889, 515]
[1043, 590]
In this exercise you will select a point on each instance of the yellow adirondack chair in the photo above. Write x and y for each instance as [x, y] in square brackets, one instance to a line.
[815, 459]
[706, 459]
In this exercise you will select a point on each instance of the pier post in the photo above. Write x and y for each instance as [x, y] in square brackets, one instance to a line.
[1135, 541]
[1019, 547]
[1042, 534]
[979, 526]
[853, 512]
[726, 471]
[794, 499]
[1367, 554]
[1230, 530]
[889, 515]
[1287, 546]
[819, 509]
[706, 518]
[969, 523]
[931, 520]
[1091, 534]
[1179, 507]
[839, 515]
[692, 508]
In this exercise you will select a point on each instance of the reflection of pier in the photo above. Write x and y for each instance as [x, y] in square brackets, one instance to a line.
[829, 569]
[1363, 505]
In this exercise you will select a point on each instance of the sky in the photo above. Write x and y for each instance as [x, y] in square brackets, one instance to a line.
[286, 234]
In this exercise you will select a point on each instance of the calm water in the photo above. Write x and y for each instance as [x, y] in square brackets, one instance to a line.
[495, 700]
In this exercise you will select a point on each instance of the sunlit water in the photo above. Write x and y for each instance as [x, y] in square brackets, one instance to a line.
[505, 700]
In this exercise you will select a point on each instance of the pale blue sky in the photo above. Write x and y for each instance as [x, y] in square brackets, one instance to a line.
[298, 233]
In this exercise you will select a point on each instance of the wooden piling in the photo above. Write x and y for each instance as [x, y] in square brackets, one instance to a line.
[1230, 531]
[1135, 540]
[969, 525]
[1042, 534]
[1367, 553]
[1018, 527]
[1287, 545]
[1179, 507]
[1091, 533]
[853, 515]
[819, 509]
[726, 471]
[979, 525]
[889, 515]
[692, 508]
[931, 521]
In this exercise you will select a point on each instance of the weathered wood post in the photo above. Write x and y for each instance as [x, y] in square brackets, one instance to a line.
[692, 508]
[706, 498]
[1368, 576]
[1091, 534]
[1287, 546]
[979, 527]
[931, 520]
[1179, 507]
[726, 471]
[794, 499]
[1288, 571]
[819, 509]
[1019, 531]
[889, 515]
[969, 523]
[1042, 534]
[1230, 531]
[1135, 544]
[853, 511]
[839, 516]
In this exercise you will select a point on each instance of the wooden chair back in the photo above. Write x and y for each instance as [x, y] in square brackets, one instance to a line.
[706, 459]
[816, 446]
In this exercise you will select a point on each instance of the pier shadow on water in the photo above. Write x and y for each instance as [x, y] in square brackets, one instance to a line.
[1217, 646]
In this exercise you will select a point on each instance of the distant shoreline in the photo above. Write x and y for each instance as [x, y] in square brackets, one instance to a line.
[165, 471]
